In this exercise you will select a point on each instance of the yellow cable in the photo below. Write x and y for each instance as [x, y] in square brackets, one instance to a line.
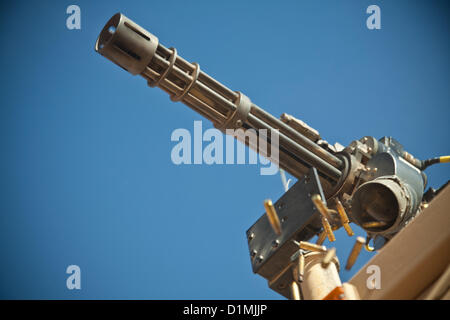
[444, 159]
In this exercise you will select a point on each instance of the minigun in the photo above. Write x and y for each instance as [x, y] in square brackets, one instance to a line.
[373, 183]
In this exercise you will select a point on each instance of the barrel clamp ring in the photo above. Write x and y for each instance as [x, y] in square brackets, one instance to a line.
[172, 59]
[239, 116]
[195, 74]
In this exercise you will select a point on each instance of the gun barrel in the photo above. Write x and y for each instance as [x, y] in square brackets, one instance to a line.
[139, 52]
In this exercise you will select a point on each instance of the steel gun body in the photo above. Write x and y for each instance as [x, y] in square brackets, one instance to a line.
[379, 184]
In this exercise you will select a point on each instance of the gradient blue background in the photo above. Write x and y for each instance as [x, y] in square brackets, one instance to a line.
[85, 147]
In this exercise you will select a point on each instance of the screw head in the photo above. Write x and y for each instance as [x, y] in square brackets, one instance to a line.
[275, 243]
[282, 286]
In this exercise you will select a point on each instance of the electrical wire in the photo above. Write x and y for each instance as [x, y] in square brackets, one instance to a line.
[429, 162]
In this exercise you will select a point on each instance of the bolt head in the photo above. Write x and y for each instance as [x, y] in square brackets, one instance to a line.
[281, 286]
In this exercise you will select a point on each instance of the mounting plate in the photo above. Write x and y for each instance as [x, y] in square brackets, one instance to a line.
[300, 221]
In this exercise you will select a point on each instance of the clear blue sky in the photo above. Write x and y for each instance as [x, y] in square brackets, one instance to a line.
[85, 147]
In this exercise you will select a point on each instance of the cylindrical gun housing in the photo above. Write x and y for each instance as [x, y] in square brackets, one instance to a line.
[139, 52]
[384, 205]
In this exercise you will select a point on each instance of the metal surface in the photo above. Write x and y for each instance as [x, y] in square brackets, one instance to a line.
[300, 221]
[327, 228]
[126, 44]
[415, 258]
[300, 126]
[391, 197]
[330, 254]
[379, 183]
[317, 282]
[139, 52]
[311, 246]
[359, 243]
[344, 218]
[294, 291]
[272, 216]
